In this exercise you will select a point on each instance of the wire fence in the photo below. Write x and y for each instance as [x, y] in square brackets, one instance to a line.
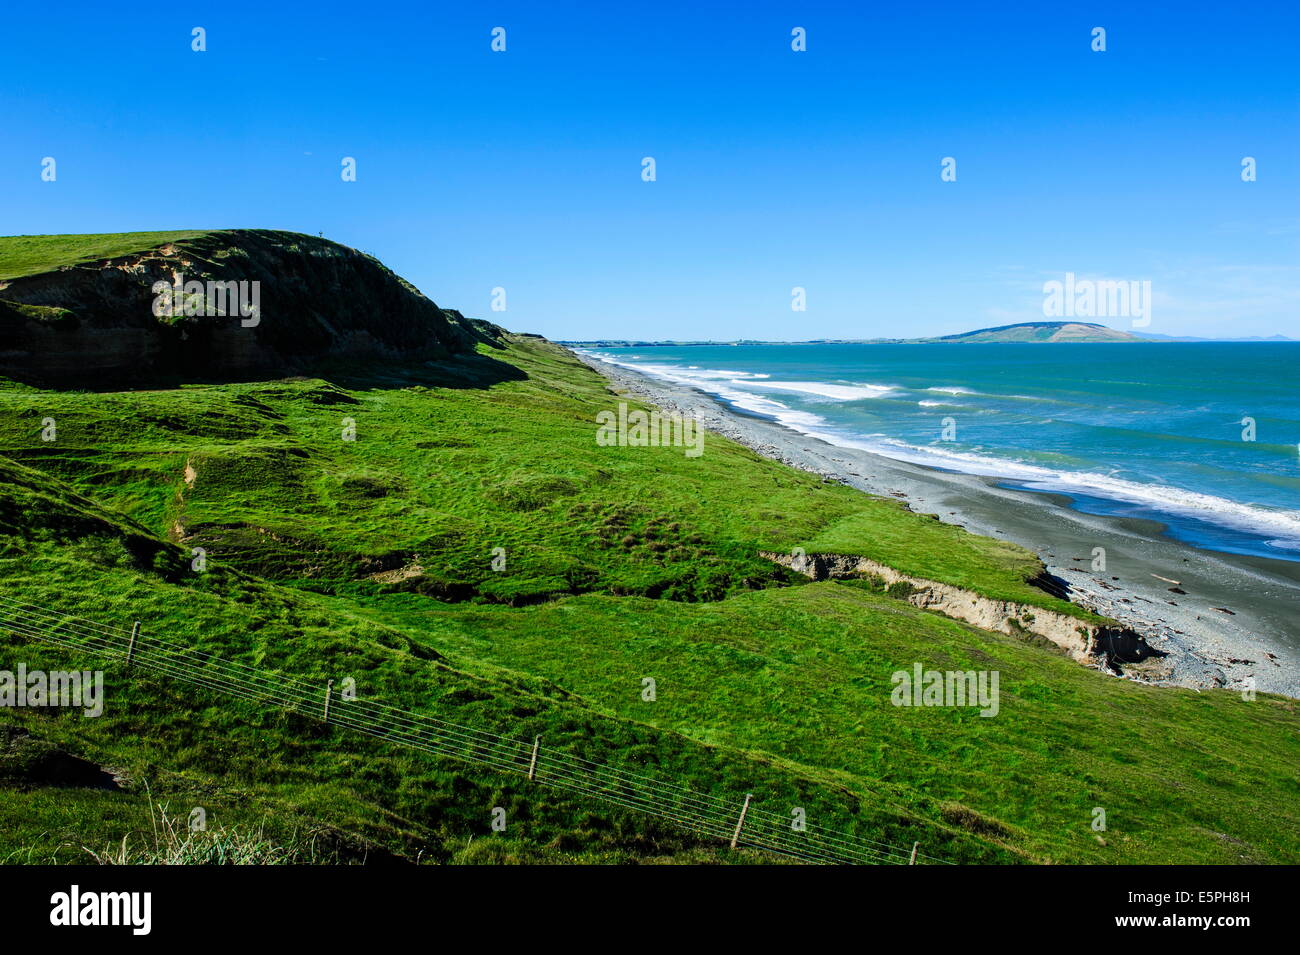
[749, 824]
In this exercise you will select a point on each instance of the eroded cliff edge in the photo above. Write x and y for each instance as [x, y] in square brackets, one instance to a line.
[1088, 643]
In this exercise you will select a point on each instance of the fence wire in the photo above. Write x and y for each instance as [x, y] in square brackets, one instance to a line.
[702, 813]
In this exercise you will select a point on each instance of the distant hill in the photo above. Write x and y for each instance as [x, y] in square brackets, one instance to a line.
[1151, 336]
[1043, 332]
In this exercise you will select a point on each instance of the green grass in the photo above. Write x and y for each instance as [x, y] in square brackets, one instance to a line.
[805, 673]
[439, 477]
[885, 531]
[285, 773]
[374, 557]
[32, 254]
[282, 773]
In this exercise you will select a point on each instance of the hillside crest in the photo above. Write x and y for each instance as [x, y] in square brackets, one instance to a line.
[208, 305]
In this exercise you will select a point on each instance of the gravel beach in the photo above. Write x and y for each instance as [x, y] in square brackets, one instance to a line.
[1218, 618]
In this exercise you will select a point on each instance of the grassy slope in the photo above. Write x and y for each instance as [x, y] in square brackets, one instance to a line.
[804, 674]
[440, 477]
[766, 683]
[32, 254]
[259, 766]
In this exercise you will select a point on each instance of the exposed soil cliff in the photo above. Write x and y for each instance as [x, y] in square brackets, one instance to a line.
[315, 300]
[1084, 641]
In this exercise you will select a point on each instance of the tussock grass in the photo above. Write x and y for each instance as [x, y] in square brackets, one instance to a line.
[175, 843]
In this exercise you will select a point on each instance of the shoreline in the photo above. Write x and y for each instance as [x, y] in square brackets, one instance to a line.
[1205, 647]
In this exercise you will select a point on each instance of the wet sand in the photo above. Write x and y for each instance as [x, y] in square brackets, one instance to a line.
[1204, 646]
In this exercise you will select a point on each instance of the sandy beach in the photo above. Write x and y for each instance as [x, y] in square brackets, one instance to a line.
[1219, 619]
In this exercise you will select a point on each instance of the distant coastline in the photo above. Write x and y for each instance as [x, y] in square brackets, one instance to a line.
[1027, 333]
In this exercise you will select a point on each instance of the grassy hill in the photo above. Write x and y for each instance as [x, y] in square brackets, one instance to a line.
[380, 558]
[169, 308]
[22, 255]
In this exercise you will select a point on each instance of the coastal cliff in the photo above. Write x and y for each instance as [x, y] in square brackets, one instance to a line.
[1085, 642]
[216, 304]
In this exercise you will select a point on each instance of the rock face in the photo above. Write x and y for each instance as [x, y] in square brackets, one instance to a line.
[1084, 641]
[316, 300]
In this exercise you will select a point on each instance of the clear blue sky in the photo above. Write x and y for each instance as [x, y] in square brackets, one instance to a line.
[775, 169]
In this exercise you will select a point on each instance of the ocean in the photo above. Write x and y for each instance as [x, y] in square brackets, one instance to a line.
[1202, 437]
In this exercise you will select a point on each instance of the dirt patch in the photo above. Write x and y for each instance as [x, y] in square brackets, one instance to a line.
[26, 760]
[409, 572]
[974, 822]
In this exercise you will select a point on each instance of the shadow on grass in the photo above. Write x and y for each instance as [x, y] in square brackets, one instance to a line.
[470, 370]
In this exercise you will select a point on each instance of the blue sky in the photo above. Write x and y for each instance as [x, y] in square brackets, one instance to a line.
[775, 169]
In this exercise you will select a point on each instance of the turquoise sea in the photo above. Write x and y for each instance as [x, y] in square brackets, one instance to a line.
[1159, 431]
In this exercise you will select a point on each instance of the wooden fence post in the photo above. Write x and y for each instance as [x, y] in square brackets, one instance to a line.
[329, 691]
[532, 763]
[912, 861]
[130, 647]
[735, 837]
